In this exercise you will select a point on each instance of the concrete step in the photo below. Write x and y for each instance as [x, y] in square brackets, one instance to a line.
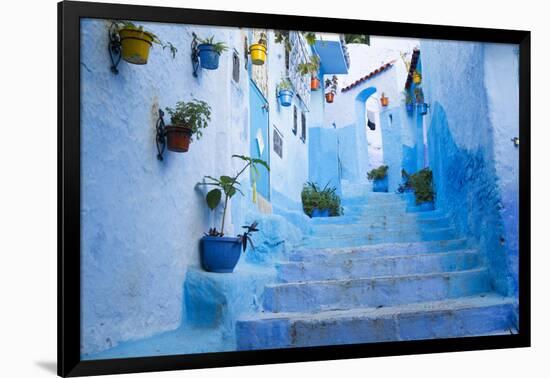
[378, 236]
[378, 266]
[366, 218]
[471, 316]
[315, 296]
[377, 210]
[398, 223]
[378, 250]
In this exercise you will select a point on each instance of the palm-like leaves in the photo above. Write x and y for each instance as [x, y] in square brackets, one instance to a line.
[245, 237]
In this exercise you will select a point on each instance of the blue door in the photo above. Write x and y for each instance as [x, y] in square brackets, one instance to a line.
[259, 138]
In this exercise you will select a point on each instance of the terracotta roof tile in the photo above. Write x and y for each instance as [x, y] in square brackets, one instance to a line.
[377, 71]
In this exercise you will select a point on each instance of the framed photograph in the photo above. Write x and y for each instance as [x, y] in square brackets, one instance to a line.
[240, 188]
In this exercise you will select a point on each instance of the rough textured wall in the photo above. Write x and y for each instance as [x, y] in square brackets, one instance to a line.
[390, 123]
[462, 147]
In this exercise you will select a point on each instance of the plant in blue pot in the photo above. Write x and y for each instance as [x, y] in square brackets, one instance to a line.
[209, 53]
[220, 253]
[284, 92]
[379, 178]
[320, 203]
[421, 183]
[421, 106]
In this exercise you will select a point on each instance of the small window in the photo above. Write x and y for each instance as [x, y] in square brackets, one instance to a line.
[304, 127]
[295, 125]
[277, 142]
[236, 67]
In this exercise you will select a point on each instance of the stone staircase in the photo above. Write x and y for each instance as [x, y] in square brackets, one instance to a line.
[381, 272]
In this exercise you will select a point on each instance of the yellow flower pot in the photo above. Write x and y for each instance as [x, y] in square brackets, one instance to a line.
[258, 53]
[135, 45]
[417, 78]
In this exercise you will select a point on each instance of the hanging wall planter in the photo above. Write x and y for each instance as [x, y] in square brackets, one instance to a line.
[315, 83]
[409, 107]
[417, 77]
[135, 45]
[209, 53]
[331, 85]
[329, 97]
[384, 101]
[187, 119]
[258, 51]
[284, 92]
[422, 108]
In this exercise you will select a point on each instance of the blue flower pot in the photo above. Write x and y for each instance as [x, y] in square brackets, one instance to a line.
[220, 255]
[380, 185]
[285, 97]
[320, 213]
[422, 108]
[209, 58]
[409, 107]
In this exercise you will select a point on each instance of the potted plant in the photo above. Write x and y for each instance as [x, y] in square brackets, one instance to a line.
[284, 92]
[311, 68]
[417, 77]
[331, 86]
[421, 183]
[220, 253]
[135, 42]
[318, 202]
[209, 53]
[384, 101]
[379, 176]
[408, 101]
[187, 119]
[421, 106]
[258, 50]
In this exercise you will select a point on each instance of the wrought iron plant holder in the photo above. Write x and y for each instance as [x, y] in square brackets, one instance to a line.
[115, 47]
[160, 137]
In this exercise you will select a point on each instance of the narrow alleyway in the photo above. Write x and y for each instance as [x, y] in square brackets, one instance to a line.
[378, 273]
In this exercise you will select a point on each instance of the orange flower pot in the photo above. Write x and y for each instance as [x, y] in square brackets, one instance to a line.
[329, 97]
[315, 84]
[179, 138]
[384, 101]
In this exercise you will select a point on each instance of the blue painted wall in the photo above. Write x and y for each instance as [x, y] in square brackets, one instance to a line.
[476, 185]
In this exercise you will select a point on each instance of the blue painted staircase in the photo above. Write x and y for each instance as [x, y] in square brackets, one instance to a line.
[381, 272]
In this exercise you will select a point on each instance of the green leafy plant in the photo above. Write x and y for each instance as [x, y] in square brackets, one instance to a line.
[284, 85]
[357, 38]
[378, 173]
[194, 114]
[331, 85]
[245, 237]
[263, 39]
[311, 67]
[283, 36]
[407, 96]
[422, 184]
[228, 186]
[419, 95]
[315, 198]
[218, 47]
[310, 37]
[121, 24]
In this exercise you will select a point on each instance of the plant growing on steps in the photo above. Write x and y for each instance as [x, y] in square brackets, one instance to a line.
[421, 183]
[245, 237]
[228, 186]
[321, 199]
[378, 173]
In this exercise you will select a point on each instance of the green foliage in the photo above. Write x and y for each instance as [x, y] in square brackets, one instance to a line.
[245, 237]
[422, 184]
[282, 36]
[194, 114]
[419, 95]
[408, 96]
[311, 67]
[228, 186]
[219, 47]
[378, 173]
[310, 37]
[326, 198]
[263, 39]
[284, 85]
[357, 38]
[331, 85]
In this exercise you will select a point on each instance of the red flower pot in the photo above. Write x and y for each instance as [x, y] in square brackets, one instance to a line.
[179, 138]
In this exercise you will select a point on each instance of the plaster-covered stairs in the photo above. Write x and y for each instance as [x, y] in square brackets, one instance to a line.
[378, 273]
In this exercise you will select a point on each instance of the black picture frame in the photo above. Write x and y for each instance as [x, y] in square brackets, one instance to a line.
[69, 361]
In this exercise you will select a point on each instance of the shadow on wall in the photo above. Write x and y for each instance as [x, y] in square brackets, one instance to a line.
[466, 186]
